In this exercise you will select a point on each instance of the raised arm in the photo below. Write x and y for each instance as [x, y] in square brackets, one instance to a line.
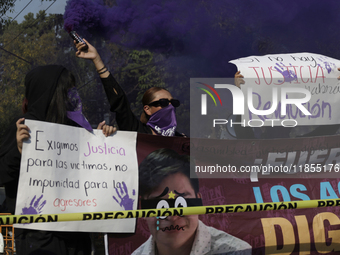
[119, 103]
[91, 53]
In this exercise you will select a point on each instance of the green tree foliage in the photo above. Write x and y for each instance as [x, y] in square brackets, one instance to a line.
[5, 5]
[142, 71]
[23, 46]
[41, 40]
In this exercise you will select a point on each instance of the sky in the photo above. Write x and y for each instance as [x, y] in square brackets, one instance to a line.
[34, 7]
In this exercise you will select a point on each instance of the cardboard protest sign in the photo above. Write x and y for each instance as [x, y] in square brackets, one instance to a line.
[290, 86]
[68, 170]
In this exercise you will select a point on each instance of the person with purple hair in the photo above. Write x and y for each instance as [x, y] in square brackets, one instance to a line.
[158, 117]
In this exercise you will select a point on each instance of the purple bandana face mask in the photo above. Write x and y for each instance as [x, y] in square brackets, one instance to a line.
[163, 122]
[76, 114]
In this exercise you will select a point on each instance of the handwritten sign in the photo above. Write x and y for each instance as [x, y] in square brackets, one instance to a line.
[68, 170]
[313, 72]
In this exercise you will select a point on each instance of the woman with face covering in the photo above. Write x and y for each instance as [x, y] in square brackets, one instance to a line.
[50, 96]
[158, 117]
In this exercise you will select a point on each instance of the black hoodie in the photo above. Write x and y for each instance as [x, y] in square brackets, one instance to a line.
[40, 84]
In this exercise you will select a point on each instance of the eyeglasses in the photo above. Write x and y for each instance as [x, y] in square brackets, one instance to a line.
[165, 102]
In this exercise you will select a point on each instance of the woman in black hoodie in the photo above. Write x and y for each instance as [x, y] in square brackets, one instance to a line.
[50, 96]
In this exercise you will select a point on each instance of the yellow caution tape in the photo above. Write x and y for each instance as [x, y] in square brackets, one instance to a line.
[36, 218]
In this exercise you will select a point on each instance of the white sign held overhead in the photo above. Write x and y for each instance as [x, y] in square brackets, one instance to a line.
[289, 86]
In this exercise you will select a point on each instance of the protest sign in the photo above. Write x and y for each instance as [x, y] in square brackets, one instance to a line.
[272, 79]
[67, 170]
[291, 231]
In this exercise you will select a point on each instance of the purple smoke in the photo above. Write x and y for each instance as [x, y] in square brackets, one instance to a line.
[200, 37]
[205, 35]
